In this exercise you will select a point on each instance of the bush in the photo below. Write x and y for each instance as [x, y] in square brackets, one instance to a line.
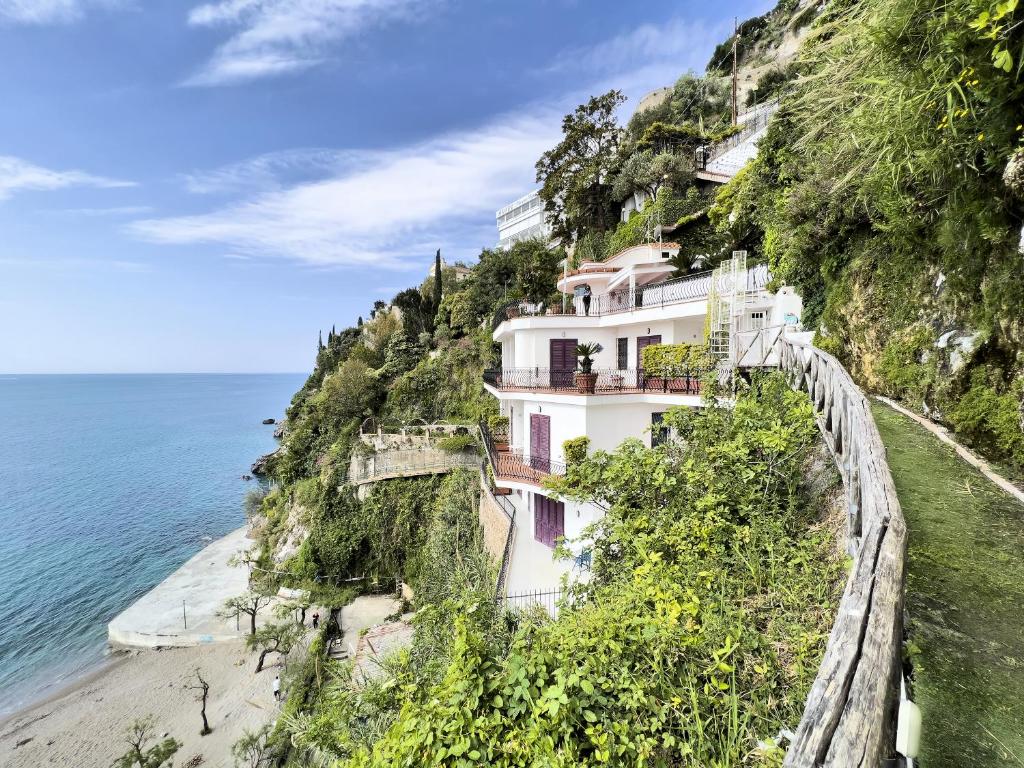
[575, 450]
[905, 366]
[990, 420]
[674, 359]
[456, 443]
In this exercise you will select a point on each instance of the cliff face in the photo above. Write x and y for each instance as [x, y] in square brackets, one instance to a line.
[887, 190]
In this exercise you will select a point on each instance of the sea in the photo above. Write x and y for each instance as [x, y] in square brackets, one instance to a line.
[108, 483]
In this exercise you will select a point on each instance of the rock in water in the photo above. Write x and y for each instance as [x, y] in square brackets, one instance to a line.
[262, 465]
[269, 421]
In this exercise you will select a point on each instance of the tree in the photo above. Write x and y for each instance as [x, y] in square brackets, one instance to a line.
[253, 749]
[401, 355]
[203, 691]
[274, 638]
[575, 174]
[438, 285]
[646, 172]
[417, 312]
[139, 754]
[251, 603]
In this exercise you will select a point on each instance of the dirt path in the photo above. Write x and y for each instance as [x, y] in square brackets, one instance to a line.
[965, 592]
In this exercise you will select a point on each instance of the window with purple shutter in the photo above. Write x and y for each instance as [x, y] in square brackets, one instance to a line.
[548, 520]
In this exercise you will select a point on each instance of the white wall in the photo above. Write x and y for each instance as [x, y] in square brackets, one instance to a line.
[567, 422]
[531, 348]
[609, 425]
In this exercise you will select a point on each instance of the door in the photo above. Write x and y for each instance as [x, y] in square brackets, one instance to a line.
[563, 362]
[641, 343]
[548, 520]
[540, 442]
[622, 354]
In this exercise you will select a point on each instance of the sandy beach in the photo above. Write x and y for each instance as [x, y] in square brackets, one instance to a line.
[84, 727]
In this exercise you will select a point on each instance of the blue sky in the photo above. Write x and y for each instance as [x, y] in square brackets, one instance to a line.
[191, 186]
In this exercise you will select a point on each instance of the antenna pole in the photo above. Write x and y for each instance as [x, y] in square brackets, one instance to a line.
[735, 40]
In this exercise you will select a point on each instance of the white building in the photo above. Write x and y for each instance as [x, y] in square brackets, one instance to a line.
[522, 220]
[624, 304]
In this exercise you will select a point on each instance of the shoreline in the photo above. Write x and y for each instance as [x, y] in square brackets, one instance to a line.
[81, 722]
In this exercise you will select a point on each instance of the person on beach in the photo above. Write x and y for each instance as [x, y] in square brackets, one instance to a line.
[316, 620]
[277, 688]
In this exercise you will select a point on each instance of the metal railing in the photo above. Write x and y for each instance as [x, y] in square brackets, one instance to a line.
[523, 601]
[676, 291]
[610, 381]
[707, 153]
[513, 465]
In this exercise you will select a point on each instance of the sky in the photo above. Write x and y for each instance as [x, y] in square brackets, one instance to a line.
[203, 187]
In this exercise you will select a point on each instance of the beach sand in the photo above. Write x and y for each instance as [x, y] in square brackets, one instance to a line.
[84, 727]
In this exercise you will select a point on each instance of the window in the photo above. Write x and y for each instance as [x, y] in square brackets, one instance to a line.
[622, 354]
[659, 432]
[666, 255]
[757, 321]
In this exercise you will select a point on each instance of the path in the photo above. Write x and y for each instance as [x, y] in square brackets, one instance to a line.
[965, 592]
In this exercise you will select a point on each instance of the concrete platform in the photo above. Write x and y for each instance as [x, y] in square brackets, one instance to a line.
[203, 583]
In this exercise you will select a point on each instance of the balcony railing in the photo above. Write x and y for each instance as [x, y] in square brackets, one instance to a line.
[667, 293]
[609, 381]
[513, 465]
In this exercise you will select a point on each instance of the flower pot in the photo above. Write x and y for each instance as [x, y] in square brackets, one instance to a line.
[512, 312]
[586, 382]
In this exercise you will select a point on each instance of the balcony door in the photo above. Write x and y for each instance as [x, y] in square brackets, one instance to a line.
[548, 520]
[641, 342]
[563, 362]
[540, 442]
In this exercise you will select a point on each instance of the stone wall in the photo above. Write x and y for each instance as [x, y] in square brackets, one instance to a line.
[495, 524]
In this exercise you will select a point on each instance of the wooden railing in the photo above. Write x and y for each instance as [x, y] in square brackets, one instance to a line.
[850, 716]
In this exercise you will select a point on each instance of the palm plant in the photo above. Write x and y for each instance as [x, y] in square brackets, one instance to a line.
[585, 352]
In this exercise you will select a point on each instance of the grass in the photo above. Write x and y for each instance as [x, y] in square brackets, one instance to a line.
[965, 597]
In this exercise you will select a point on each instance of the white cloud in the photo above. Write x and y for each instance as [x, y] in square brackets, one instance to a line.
[273, 170]
[17, 175]
[115, 211]
[274, 37]
[51, 11]
[383, 208]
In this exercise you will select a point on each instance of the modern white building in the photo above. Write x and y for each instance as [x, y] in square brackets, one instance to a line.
[522, 220]
[624, 304]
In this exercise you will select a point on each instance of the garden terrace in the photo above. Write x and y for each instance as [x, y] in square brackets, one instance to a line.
[609, 381]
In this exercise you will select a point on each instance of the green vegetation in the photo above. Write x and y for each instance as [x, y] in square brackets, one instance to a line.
[140, 754]
[674, 359]
[965, 587]
[575, 449]
[700, 632]
[457, 443]
[888, 191]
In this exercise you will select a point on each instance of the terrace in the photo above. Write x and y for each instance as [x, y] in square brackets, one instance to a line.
[514, 466]
[609, 382]
[633, 299]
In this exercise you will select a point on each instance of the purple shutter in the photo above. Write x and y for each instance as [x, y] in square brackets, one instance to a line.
[540, 442]
[563, 362]
[548, 520]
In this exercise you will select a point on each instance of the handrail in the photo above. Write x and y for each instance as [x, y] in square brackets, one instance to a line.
[666, 293]
[849, 718]
[610, 381]
[514, 465]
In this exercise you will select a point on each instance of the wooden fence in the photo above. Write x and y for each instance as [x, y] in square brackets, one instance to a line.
[850, 716]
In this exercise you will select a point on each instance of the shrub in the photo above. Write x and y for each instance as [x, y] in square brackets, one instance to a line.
[905, 367]
[674, 359]
[456, 443]
[575, 450]
[990, 420]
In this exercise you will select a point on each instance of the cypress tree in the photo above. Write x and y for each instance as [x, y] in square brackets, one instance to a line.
[437, 280]
[320, 342]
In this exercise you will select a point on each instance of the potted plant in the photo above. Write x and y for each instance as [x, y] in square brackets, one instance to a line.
[586, 381]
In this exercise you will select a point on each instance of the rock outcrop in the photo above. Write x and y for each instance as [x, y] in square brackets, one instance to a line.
[261, 466]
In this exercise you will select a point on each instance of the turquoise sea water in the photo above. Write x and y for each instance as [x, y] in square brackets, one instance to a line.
[107, 485]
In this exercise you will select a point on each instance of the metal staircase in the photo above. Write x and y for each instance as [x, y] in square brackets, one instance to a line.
[727, 301]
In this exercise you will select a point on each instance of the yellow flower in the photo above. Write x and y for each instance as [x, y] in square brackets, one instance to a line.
[981, 137]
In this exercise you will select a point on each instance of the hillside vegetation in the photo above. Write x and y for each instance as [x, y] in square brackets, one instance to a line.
[890, 191]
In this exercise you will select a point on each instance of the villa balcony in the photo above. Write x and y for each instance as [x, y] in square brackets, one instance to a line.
[514, 466]
[609, 382]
